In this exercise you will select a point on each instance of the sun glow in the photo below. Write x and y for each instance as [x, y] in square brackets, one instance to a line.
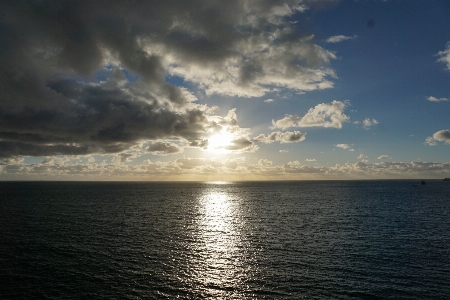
[219, 142]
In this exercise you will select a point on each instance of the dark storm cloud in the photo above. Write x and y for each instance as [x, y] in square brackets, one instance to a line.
[17, 148]
[52, 100]
[96, 119]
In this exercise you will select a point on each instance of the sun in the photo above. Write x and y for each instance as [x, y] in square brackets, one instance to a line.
[219, 142]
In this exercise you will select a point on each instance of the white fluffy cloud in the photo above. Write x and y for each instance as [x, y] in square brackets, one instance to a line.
[444, 56]
[434, 99]
[430, 141]
[340, 38]
[345, 147]
[384, 156]
[440, 136]
[367, 123]
[322, 115]
[362, 156]
[264, 162]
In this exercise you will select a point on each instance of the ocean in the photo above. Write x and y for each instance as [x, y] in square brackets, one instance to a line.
[386, 239]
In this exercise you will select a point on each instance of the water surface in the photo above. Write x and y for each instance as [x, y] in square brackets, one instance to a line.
[246, 240]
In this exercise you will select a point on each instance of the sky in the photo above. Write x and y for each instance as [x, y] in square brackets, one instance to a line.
[224, 90]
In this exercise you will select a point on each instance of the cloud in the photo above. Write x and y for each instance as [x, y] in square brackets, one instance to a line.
[163, 148]
[434, 99]
[81, 78]
[182, 168]
[255, 50]
[340, 38]
[191, 163]
[268, 100]
[295, 167]
[12, 161]
[363, 157]
[322, 115]
[198, 143]
[444, 56]
[367, 123]
[392, 169]
[241, 145]
[282, 137]
[231, 138]
[310, 159]
[93, 118]
[121, 158]
[440, 136]
[345, 147]
[384, 156]
[430, 141]
[264, 162]
[295, 65]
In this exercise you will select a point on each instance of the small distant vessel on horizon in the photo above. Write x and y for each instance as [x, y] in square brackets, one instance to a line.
[446, 179]
[423, 182]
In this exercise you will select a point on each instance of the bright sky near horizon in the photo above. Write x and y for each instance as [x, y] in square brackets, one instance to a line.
[224, 90]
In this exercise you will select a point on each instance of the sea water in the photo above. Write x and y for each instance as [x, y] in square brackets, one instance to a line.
[225, 240]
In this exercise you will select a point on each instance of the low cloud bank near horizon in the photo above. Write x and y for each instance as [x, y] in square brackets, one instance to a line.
[64, 168]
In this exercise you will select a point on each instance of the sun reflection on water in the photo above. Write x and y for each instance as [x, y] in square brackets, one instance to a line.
[220, 264]
[218, 223]
[218, 182]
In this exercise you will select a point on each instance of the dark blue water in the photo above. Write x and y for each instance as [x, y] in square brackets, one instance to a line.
[250, 240]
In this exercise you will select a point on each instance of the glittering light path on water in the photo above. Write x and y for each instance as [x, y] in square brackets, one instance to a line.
[221, 266]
